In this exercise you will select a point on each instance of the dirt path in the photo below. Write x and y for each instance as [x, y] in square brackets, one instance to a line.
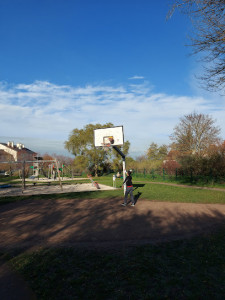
[102, 222]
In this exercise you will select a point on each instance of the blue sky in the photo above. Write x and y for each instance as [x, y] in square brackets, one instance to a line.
[68, 63]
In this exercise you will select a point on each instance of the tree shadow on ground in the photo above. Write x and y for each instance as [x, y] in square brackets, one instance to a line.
[101, 222]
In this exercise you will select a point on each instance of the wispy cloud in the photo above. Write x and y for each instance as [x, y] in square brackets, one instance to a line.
[136, 77]
[46, 110]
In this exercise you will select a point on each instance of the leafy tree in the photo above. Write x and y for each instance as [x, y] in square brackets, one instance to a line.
[81, 143]
[141, 158]
[216, 160]
[152, 151]
[208, 38]
[130, 163]
[173, 154]
[195, 133]
[208, 166]
[80, 163]
[171, 166]
[156, 152]
[140, 163]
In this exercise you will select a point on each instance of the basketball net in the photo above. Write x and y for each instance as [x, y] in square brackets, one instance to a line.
[106, 146]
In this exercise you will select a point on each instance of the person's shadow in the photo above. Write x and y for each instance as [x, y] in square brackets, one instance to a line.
[136, 197]
[138, 185]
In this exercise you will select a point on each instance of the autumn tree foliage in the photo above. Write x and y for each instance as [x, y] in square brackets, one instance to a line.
[210, 165]
[171, 164]
[194, 134]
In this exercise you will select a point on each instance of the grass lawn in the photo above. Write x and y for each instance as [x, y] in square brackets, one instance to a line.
[189, 269]
[155, 192]
[145, 190]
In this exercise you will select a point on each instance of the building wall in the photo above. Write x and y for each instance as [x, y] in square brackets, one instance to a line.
[9, 150]
[15, 152]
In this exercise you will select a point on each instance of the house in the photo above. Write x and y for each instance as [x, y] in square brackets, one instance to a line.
[15, 152]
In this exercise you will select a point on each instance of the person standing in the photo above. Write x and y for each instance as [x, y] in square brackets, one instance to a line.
[129, 189]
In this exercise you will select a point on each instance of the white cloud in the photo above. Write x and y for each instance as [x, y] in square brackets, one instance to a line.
[43, 110]
[136, 77]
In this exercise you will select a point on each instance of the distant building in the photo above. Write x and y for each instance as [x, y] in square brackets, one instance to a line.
[16, 152]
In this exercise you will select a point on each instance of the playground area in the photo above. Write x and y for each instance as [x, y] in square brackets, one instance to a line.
[44, 186]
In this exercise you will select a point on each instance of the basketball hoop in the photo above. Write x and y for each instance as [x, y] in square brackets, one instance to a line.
[106, 146]
[110, 137]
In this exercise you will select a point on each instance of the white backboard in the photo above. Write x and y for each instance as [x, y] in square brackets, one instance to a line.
[113, 135]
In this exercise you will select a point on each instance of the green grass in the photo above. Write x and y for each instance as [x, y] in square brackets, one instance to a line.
[155, 192]
[179, 194]
[189, 269]
[144, 190]
[201, 181]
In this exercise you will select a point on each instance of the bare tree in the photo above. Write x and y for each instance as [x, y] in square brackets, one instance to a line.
[195, 133]
[208, 19]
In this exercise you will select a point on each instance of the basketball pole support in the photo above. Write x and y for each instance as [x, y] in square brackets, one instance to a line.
[124, 165]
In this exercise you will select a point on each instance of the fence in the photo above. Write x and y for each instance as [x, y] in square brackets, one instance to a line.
[178, 176]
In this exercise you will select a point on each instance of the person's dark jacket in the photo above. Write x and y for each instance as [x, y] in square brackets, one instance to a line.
[128, 181]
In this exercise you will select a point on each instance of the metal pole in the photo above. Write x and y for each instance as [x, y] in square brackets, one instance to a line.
[124, 175]
[23, 176]
[56, 162]
[124, 165]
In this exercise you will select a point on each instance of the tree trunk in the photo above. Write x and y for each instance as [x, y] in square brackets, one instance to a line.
[96, 170]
